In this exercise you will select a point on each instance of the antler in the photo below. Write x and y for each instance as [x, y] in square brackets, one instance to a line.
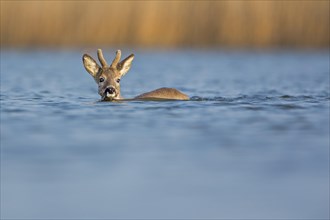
[101, 58]
[116, 60]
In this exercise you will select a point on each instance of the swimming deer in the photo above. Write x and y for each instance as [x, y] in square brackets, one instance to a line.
[108, 79]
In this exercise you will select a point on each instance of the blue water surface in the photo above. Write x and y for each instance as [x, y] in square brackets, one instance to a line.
[253, 141]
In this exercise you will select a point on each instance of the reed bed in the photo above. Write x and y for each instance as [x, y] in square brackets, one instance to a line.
[165, 23]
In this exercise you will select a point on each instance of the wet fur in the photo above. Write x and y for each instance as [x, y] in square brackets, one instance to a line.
[164, 93]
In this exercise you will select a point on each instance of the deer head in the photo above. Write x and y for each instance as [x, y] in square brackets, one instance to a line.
[108, 77]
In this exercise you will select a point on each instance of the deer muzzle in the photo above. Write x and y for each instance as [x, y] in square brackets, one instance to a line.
[109, 93]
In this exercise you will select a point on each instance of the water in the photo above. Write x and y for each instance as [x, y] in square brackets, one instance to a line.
[252, 143]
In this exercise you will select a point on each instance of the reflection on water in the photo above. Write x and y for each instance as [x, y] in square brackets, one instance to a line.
[253, 141]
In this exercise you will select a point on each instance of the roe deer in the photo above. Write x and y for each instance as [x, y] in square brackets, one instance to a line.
[108, 79]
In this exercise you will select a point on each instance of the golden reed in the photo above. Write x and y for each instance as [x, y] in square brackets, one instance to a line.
[165, 23]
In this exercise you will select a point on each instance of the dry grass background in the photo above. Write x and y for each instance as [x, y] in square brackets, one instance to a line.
[165, 23]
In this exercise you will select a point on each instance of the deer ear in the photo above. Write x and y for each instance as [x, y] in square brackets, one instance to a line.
[90, 65]
[125, 64]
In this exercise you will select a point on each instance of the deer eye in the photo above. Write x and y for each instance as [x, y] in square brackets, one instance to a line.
[118, 80]
[101, 79]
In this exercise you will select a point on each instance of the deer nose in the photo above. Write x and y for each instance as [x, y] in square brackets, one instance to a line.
[109, 90]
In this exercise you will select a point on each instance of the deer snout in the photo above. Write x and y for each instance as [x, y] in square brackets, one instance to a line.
[110, 93]
[109, 90]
